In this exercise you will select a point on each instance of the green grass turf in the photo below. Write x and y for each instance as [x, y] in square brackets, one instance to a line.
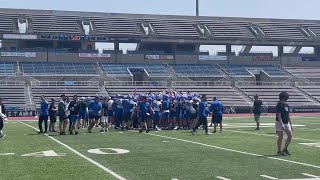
[164, 155]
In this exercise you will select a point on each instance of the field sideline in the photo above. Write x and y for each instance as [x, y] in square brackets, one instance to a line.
[237, 153]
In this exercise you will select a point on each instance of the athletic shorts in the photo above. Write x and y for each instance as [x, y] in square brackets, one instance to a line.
[143, 117]
[176, 115]
[165, 115]
[62, 118]
[53, 118]
[279, 128]
[217, 119]
[110, 113]
[127, 116]
[104, 119]
[92, 116]
[257, 117]
[188, 114]
[73, 118]
[82, 115]
[156, 116]
[43, 118]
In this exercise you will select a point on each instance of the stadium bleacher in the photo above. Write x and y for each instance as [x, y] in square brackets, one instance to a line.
[55, 89]
[13, 93]
[228, 29]
[305, 72]
[174, 28]
[243, 70]
[53, 24]
[7, 69]
[281, 30]
[113, 26]
[125, 88]
[225, 94]
[58, 69]
[269, 94]
[120, 70]
[6, 24]
[195, 70]
[312, 90]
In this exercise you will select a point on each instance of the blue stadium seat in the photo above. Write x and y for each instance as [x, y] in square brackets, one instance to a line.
[58, 68]
[7, 69]
[194, 70]
[240, 70]
[154, 70]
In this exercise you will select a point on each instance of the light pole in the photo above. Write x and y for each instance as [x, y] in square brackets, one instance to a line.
[197, 7]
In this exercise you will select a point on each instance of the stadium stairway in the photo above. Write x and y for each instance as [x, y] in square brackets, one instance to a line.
[315, 100]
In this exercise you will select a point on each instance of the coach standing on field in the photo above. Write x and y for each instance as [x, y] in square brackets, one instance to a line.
[3, 117]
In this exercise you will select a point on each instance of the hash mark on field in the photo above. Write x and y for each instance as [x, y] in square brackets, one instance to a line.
[268, 177]
[232, 150]
[309, 175]
[174, 179]
[222, 178]
[81, 155]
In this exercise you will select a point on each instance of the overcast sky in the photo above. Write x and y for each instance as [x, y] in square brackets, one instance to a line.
[289, 9]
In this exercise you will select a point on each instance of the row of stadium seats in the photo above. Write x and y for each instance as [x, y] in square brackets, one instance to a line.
[59, 22]
[154, 70]
[13, 96]
[241, 70]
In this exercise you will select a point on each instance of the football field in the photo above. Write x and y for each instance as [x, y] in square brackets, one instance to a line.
[239, 152]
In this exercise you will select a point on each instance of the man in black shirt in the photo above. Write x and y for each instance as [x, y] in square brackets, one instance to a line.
[283, 123]
[257, 104]
[3, 117]
[74, 111]
[53, 115]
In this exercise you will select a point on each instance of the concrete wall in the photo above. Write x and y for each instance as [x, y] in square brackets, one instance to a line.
[288, 61]
[253, 60]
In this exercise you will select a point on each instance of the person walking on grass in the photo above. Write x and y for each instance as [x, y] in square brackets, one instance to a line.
[257, 105]
[283, 124]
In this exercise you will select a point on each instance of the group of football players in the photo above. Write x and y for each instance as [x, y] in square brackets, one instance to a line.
[163, 111]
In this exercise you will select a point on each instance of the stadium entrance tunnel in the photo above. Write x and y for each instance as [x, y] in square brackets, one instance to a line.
[138, 74]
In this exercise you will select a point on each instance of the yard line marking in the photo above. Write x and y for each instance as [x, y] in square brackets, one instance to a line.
[309, 175]
[268, 177]
[232, 150]
[81, 155]
[269, 135]
[6, 154]
[222, 178]
[174, 179]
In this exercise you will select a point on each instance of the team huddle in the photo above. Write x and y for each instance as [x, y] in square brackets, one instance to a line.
[163, 111]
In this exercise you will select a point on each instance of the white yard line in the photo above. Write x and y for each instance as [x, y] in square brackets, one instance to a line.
[83, 156]
[222, 178]
[236, 151]
[268, 177]
[269, 135]
[309, 175]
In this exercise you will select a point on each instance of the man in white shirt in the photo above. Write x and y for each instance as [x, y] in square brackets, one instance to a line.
[3, 117]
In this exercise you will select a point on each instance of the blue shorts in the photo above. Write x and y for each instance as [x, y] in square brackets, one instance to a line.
[156, 116]
[110, 113]
[92, 116]
[82, 114]
[73, 118]
[165, 115]
[143, 117]
[188, 114]
[127, 116]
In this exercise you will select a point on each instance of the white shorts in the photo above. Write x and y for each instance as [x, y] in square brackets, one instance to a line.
[279, 128]
[104, 119]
